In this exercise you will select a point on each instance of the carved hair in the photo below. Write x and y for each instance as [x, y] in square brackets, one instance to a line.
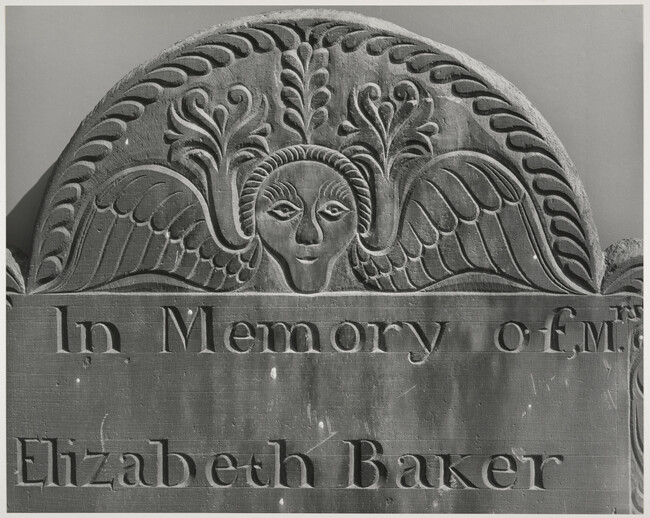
[312, 153]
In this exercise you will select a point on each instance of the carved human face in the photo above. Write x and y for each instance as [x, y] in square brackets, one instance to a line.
[306, 217]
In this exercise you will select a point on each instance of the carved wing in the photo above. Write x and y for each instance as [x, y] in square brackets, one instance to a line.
[150, 225]
[467, 224]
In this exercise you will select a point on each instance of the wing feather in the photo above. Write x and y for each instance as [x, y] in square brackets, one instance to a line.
[417, 274]
[434, 266]
[452, 254]
[497, 245]
[474, 247]
[201, 274]
[462, 203]
[421, 224]
[134, 254]
[483, 191]
[401, 280]
[440, 212]
[411, 243]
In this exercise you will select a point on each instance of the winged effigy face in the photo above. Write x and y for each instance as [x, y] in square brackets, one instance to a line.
[312, 262]
[305, 213]
[248, 159]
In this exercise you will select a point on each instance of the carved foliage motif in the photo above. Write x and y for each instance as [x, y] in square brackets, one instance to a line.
[385, 130]
[385, 133]
[305, 92]
[203, 134]
[210, 142]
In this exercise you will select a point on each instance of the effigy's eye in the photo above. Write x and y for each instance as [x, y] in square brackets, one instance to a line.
[283, 210]
[333, 210]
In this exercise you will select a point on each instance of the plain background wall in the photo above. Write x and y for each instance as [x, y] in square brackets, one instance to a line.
[580, 66]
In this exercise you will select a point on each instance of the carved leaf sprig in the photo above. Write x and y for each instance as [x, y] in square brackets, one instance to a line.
[305, 91]
[386, 133]
[210, 138]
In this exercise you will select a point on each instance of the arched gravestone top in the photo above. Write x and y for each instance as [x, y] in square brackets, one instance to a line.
[314, 151]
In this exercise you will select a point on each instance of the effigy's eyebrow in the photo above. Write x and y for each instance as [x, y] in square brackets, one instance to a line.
[334, 189]
[279, 191]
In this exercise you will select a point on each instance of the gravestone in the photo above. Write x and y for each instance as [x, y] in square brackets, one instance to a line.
[312, 262]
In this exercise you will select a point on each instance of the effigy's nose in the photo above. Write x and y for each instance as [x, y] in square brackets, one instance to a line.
[308, 231]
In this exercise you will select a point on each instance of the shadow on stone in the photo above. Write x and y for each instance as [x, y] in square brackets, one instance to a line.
[21, 221]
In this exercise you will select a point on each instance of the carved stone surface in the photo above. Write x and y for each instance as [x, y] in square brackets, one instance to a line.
[314, 235]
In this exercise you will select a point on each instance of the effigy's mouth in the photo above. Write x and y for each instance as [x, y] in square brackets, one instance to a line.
[309, 259]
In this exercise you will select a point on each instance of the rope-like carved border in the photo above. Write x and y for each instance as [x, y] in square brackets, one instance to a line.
[172, 69]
